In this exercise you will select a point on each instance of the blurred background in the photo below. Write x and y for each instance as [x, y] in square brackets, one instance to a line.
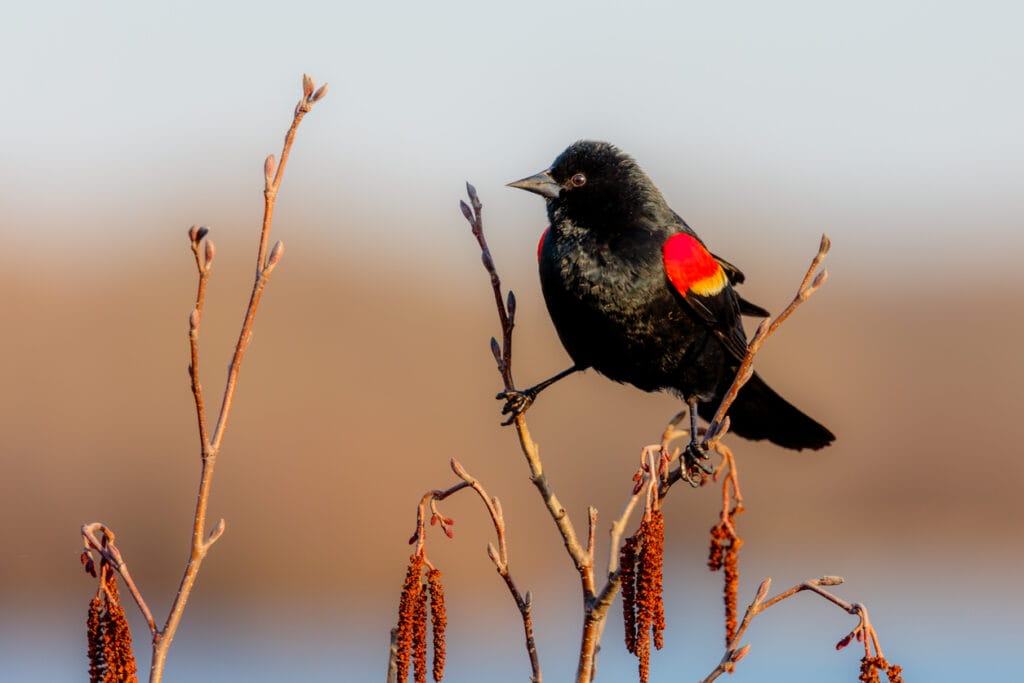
[893, 127]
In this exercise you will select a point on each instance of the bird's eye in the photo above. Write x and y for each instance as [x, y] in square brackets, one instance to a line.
[578, 180]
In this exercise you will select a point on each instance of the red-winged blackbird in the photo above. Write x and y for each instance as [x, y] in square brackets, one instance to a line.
[634, 294]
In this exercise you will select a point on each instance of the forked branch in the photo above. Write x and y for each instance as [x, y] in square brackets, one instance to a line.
[209, 441]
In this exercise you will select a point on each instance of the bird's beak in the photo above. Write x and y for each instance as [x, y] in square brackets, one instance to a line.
[542, 184]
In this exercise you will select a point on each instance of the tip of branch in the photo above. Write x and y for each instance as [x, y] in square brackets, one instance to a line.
[307, 85]
[197, 232]
[473, 197]
[457, 468]
[830, 580]
[319, 94]
[825, 245]
[762, 590]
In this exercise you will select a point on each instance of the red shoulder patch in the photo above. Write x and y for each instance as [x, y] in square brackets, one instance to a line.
[540, 245]
[690, 267]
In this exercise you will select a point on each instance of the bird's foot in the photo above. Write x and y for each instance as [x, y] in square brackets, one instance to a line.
[516, 403]
[695, 465]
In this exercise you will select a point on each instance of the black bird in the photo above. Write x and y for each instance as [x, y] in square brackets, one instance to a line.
[635, 294]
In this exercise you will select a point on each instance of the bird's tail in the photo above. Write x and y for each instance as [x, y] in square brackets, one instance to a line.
[760, 413]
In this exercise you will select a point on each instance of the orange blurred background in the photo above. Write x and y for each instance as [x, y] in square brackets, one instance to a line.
[370, 367]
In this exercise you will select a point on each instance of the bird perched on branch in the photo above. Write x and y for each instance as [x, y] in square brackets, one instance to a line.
[635, 294]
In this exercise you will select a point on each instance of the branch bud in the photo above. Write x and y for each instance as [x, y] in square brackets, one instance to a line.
[307, 85]
[740, 654]
[319, 94]
[492, 553]
[510, 305]
[830, 580]
[825, 245]
[473, 197]
[193, 320]
[210, 252]
[466, 211]
[819, 280]
[488, 262]
[275, 254]
[496, 350]
[193, 233]
[762, 590]
[269, 166]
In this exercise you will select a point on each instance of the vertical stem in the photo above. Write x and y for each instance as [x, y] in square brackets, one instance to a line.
[210, 445]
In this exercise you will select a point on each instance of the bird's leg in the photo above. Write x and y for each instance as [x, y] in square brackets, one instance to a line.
[695, 456]
[517, 402]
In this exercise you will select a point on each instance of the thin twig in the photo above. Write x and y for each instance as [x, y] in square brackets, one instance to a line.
[500, 558]
[734, 653]
[201, 542]
[112, 555]
[503, 356]
[767, 328]
[719, 425]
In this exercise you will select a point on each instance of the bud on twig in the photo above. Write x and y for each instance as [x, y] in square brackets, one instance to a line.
[275, 254]
[510, 305]
[820, 279]
[319, 94]
[762, 590]
[830, 580]
[825, 245]
[307, 85]
[740, 654]
[193, 233]
[473, 197]
[496, 350]
[269, 166]
[193, 320]
[210, 252]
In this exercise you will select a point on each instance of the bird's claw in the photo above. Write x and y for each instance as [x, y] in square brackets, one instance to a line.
[516, 403]
[695, 464]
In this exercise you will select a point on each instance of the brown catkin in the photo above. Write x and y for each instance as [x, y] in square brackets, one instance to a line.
[627, 575]
[654, 556]
[120, 659]
[94, 634]
[407, 606]
[419, 637]
[438, 621]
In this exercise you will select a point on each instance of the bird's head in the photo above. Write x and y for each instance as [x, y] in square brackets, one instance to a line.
[593, 184]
